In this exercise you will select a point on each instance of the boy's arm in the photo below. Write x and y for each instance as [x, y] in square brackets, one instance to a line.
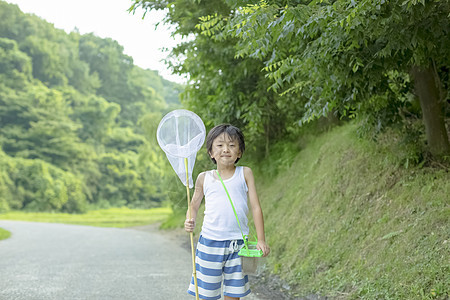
[256, 211]
[191, 213]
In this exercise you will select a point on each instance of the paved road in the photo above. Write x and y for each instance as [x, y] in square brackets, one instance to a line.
[56, 261]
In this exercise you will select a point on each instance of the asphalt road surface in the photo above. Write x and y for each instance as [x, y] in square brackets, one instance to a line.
[57, 261]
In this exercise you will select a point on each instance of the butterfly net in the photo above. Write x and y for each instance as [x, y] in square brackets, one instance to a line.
[181, 133]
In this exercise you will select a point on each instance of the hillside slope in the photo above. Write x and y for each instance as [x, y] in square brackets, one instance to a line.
[346, 220]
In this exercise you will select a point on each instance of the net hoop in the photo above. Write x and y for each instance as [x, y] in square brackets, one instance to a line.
[180, 149]
[180, 134]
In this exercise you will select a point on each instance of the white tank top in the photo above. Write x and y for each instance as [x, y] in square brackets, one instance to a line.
[220, 222]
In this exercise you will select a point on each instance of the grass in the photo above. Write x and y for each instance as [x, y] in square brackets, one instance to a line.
[4, 234]
[112, 217]
[346, 220]
[175, 220]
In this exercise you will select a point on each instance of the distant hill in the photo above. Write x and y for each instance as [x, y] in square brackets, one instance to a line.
[77, 120]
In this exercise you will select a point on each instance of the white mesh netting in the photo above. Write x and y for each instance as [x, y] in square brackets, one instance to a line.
[181, 133]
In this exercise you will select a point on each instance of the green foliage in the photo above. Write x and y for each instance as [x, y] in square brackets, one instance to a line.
[35, 185]
[349, 219]
[175, 220]
[4, 234]
[137, 91]
[269, 66]
[112, 217]
[223, 88]
[353, 223]
[339, 60]
[36, 124]
[74, 115]
[15, 66]
[120, 183]
[96, 115]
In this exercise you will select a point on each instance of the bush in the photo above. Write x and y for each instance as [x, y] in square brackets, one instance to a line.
[35, 185]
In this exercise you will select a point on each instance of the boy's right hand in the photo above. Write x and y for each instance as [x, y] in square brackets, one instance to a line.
[189, 225]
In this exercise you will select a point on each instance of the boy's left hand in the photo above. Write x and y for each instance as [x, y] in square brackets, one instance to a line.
[264, 247]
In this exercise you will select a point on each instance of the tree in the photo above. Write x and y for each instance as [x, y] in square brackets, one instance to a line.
[36, 124]
[370, 59]
[222, 88]
[96, 115]
[341, 55]
[15, 66]
[73, 114]
[35, 185]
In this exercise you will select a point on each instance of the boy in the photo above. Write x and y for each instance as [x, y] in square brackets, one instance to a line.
[221, 238]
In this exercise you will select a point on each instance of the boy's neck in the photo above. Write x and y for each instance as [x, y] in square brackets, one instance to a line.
[226, 171]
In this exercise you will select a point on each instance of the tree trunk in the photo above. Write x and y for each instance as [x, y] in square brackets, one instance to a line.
[427, 91]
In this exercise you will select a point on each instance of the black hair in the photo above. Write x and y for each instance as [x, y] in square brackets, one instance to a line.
[233, 132]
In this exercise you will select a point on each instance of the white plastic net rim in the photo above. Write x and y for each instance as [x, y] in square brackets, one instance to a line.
[181, 133]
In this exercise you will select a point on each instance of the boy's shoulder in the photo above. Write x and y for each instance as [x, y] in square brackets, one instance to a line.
[246, 169]
[202, 174]
[200, 180]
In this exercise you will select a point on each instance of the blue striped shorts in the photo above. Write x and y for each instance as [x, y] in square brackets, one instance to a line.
[218, 261]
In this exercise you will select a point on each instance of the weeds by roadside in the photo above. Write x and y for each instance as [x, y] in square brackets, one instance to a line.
[4, 234]
[112, 217]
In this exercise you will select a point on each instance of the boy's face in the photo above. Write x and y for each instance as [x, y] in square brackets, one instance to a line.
[225, 150]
